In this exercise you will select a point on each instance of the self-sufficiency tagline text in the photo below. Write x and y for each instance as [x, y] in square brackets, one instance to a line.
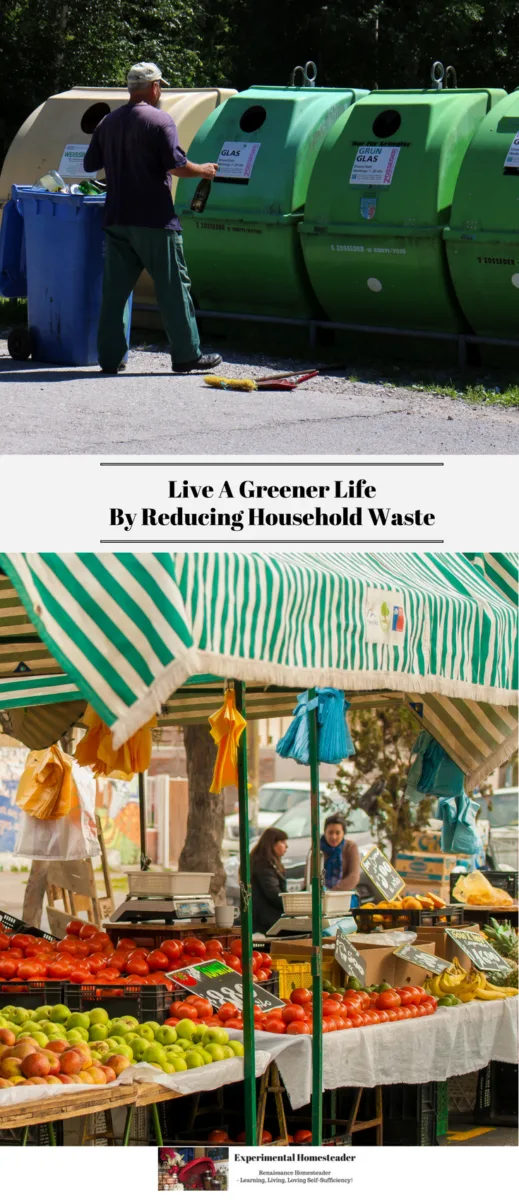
[338, 504]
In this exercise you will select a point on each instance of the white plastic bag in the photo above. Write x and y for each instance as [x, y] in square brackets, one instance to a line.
[73, 836]
[393, 937]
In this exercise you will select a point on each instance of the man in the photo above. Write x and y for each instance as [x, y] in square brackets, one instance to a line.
[137, 146]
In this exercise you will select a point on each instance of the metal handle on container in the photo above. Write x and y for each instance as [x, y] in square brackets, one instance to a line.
[308, 75]
[437, 75]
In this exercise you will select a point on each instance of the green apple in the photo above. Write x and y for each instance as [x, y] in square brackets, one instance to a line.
[227, 1053]
[154, 1025]
[99, 1016]
[41, 1038]
[20, 1015]
[154, 1054]
[116, 1040]
[205, 1055]
[180, 1064]
[74, 1037]
[193, 1059]
[30, 1027]
[43, 1012]
[237, 1048]
[127, 1050]
[215, 1034]
[138, 1045]
[216, 1052]
[114, 1043]
[96, 1033]
[174, 1051]
[95, 1055]
[185, 1043]
[185, 1028]
[166, 1035]
[78, 1021]
[198, 1033]
[100, 1046]
[168, 1068]
[120, 1028]
[60, 1013]
[52, 1031]
[146, 1031]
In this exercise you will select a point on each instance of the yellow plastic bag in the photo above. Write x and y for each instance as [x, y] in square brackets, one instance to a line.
[227, 726]
[96, 750]
[476, 889]
[47, 789]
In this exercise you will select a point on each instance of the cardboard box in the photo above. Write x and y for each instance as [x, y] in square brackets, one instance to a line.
[429, 841]
[382, 965]
[444, 945]
[419, 887]
[431, 869]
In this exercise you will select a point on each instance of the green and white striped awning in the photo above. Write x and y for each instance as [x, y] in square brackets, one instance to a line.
[138, 634]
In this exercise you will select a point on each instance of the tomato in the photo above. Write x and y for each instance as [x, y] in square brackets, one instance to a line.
[171, 948]
[266, 961]
[4, 941]
[389, 999]
[134, 979]
[203, 1006]
[384, 1016]
[173, 1012]
[331, 1024]
[80, 974]
[138, 967]
[433, 1000]
[227, 1011]
[237, 1023]
[118, 960]
[330, 1008]
[126, 944]
[298, 1027]
[60, 970]
[186, 1010]
[392, 1014]
[232, 960]
[109, 975]
[357, 1021]
[74, 927]
[339, 1022]
[88, 931]
[292, 1012]
[235, 947]
[218, 1137]
[193, 945]
[274, 1026]
[408, 995]
[97, 962]
[172, 1021]
[20, 941]
[405, 1012]
[215, 945]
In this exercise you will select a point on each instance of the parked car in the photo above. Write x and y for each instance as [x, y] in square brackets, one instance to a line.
[275, 799]
[297, 825]
[501, 810]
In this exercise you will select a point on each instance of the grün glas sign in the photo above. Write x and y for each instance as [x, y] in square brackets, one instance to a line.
[217, 982]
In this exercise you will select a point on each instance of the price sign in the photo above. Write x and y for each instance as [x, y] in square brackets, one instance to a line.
[420, 958]
[349, 958]
[219, 983]
[476, 947]
[384, 877]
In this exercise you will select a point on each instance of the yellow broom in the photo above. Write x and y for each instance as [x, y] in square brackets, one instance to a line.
[265, 381]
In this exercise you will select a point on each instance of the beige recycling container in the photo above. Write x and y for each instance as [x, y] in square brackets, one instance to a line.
[57, 133]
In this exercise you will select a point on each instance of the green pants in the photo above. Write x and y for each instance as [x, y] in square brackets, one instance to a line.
[129, 249]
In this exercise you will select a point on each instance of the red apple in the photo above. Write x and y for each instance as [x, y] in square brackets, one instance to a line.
[36, 1064]
[118, 1063]
[109, 1074]
[70, 1062]
[57, 1047]
[7, 1037]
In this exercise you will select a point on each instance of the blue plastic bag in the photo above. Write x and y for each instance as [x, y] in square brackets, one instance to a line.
[334, 742]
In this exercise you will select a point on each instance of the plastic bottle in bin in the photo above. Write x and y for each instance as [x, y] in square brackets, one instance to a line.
[201, 196]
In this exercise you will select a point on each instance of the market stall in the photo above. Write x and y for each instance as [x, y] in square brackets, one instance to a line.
[135, 635]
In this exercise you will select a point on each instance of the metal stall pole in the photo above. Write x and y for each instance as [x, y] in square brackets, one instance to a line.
[249, 1072]
[145, 861]
[317, 978]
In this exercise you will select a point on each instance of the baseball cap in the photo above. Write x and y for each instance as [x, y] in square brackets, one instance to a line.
[145, 72]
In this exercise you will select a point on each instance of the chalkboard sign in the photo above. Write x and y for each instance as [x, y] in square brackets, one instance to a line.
[219, 984]
[384, 877]
[476, 947]
[420, 958]
[349, 958]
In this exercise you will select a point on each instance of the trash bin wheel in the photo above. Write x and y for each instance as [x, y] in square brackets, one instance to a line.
[19, 343]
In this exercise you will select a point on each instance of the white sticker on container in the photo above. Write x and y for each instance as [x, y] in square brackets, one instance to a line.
[236, 159]
[512, 158]
[374, 165]
[384, 617]
[71, 165]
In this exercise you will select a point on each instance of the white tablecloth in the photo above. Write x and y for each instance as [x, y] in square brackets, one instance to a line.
[452, 1042]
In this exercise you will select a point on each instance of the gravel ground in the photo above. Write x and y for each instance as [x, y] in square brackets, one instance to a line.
[146, 410]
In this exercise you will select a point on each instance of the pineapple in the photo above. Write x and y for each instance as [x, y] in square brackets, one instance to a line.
[505, 978]
[503, 937]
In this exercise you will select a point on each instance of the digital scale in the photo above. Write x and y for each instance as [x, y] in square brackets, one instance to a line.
[170, 896]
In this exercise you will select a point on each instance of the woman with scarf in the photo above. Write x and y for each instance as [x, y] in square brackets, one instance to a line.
[341, 859]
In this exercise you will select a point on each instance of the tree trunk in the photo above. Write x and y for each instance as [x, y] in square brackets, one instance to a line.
[205, 819]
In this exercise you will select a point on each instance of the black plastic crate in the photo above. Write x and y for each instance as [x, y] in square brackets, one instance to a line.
[14, 925]
[31, 993]
[407, 918]
[410, 1114]
[496, 1099]
[506, 880]
[147, 1003]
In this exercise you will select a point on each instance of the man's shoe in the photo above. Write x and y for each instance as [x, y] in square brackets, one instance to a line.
[205, 362]
[113, 371]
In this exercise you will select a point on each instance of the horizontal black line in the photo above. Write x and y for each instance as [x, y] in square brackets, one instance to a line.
[273, 541]
[272, 463]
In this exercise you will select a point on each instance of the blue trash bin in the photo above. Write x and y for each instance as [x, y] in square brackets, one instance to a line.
[64, 247]
[13, 269]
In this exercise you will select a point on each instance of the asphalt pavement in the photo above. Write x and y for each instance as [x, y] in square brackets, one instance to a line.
[147, 410]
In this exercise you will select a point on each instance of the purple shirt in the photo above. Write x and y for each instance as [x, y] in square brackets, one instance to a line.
[137, 146]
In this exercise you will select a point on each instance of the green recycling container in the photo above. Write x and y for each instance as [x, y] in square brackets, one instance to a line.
[483, 238]
[243, 250]
[378, 202]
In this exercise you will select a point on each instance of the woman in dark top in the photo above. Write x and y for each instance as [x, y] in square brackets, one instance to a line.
[268, 879]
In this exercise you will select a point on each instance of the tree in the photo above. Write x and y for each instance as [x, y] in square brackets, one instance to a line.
[205, 819]
[383, 740]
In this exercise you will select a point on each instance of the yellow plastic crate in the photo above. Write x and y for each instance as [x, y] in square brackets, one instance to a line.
[296, 974]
